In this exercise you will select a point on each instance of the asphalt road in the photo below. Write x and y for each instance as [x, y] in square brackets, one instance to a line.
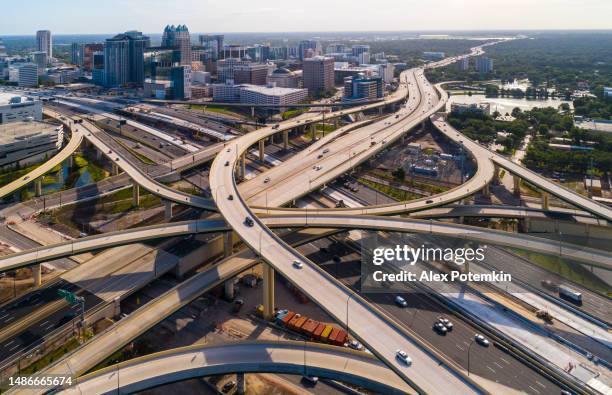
[17, 240]
[31, 334]
[488, 362]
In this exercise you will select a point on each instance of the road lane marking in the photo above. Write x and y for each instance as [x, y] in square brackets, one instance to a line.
[9, 343]
[14, 347]
[491, 369]
[540, 384]
[459, 347]
[534, 390]
[498, 365]
[9, 319]
[507, 363]
[44, 323]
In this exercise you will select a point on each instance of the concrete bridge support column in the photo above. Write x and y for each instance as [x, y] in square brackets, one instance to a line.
[38, 186]
[313, 130]
[336, 122]
[227, 244]
[261, 150]
[135, 194]
[517, 186]
[253, 112]
[115, 169]
[168, 211]
[37, 274]
[98, 154]
[461, 220]
[486, 191]
[545, 200]
[268, 289]
[286, 139]
[70, 161]
[495, 175]
[243, 165]
[228, 289]
[240, 384]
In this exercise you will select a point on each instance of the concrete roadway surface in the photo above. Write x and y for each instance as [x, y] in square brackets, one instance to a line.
[427, 372]
[502, 371]
[595, 257]
[324, 361]
[534, 178]
[25, 321]
[124, 331]
[22, 243]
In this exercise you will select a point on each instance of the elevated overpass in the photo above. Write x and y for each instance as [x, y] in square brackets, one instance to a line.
[34, 175]
[289, 357]
[590, 256]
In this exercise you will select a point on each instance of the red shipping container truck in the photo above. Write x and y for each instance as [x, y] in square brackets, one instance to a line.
[333, 335]
[298, 324]
[309, 327]
[318, 330]
[341, 338]
[285, 320]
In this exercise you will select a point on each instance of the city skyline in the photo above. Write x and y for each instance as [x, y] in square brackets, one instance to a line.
[342, 15]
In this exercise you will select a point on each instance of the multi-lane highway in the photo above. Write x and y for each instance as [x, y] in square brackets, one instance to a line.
[594, 257]
[293, 357]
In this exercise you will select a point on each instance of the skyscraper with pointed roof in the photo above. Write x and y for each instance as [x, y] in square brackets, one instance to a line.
[178, 37]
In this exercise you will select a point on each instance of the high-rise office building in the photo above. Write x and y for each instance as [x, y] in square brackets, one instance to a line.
[305, 46]
[124, 59]
[178, 37]
[44, 43]
[357, 50]
[2, 48]
[76, 53]
[97, 68]
[335, 48]
[180, 77]
[252, 73]
[41, 60]
[28, 75]
[213, 43]
[88, 53]
[484, 64]
[386, 71]
[225, 68]
[318, 74]
[463, 64]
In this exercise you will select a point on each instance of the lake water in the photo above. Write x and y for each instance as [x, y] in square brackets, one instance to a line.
[505, 105]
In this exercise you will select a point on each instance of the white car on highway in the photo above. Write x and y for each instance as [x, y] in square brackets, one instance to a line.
[402, 356]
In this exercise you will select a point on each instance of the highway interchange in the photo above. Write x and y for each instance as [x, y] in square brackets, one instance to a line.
[346, 152]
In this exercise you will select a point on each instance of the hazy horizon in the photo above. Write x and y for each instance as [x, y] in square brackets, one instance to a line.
[265, 16]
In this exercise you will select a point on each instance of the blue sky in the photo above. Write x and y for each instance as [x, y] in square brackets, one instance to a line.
[109, 16]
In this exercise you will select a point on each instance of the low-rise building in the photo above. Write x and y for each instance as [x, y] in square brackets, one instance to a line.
[15, 108]
[607, 91]
[273, 95]
[284, 78]
[200, 91]
[476, 108]
[257, 94]
[362, 88]
[27, 143]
